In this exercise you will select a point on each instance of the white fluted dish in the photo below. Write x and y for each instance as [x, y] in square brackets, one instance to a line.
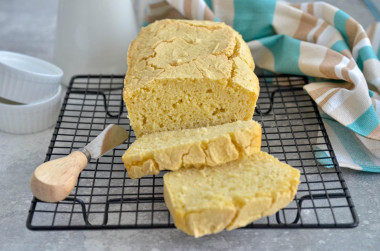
[26, 79]
[22, 119]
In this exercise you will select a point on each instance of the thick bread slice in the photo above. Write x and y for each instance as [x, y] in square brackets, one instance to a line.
[188, 74]
[192, 147]
[209, 199]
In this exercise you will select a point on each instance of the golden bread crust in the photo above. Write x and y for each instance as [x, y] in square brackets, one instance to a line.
[191, 147]
[210, 199]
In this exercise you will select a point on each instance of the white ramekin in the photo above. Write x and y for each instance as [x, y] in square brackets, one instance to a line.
[26, 79]
[30, 118]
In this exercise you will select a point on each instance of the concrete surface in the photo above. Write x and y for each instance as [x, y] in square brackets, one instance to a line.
[28, 26]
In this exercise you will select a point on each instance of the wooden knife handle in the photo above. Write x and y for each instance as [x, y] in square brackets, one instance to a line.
[53, 181]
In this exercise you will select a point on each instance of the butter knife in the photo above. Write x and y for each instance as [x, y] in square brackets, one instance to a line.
[53, 181]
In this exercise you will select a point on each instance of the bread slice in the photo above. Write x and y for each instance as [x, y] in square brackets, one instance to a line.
[188, 74]
[209, 199]
[192, 147]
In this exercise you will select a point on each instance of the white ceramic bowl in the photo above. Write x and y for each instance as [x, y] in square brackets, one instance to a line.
[30, 118]
[26, 79]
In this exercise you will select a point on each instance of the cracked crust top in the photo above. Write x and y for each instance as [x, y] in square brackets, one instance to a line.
[183, 49]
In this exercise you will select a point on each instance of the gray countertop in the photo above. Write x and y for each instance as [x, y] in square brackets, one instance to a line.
[28, 26]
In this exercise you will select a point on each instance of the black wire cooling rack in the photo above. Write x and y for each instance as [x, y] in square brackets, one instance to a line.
[106, 198]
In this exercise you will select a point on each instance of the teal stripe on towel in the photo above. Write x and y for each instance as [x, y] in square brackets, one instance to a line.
[359, 62]
[286, 51]
[209, 4]
[366, 53]
[253, 19]
[339, 46]
[371, 93]
[366, 123]
[372, 169]
[340, 20]
[323, 158]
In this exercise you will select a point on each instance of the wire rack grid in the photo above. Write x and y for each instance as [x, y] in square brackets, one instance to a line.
[106, 198]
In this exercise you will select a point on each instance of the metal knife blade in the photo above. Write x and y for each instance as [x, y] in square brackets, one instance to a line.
[112, 136]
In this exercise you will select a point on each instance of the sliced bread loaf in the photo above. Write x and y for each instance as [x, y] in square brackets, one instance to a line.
[209, 199]
[188, 74]
[192, 147]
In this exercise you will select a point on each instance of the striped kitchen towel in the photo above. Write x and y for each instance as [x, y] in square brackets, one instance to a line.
[350, 148]
[312, 39]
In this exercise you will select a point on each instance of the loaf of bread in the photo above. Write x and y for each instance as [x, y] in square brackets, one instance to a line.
[188, 74]
[211, 146]
[209, 199]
